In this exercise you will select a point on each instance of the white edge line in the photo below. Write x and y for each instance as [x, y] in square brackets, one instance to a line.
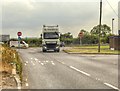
[80, 71]
[110, 85]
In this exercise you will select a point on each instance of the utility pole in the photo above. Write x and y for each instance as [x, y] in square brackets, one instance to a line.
[100, 25]
[112, 25]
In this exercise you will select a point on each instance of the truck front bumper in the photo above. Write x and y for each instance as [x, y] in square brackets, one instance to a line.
[51, 47]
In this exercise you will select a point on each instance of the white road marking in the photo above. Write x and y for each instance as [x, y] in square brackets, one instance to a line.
[53, 63]
[42, 64]
[31, 61]
[27, 62]
[46, 61]
[80, 71]
[110, 85]
[26, 79]
[27, 84]
[36, 59]
[97, 79]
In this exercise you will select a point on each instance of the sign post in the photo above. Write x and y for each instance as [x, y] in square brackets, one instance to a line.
[19, 38]
[80, 37]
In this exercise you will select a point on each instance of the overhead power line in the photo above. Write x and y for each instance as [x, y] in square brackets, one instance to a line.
[113, 9]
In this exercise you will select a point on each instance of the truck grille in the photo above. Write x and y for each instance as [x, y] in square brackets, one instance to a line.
[51, 46]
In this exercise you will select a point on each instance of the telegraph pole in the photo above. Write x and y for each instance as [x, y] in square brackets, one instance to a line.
[100, 25]
[112, 25]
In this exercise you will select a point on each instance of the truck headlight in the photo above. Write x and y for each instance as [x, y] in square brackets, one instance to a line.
[45, 47]
[57, 46]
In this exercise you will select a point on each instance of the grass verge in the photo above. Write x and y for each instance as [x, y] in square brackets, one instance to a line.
[10, 57]
[92, 50]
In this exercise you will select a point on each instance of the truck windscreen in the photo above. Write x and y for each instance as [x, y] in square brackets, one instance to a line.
[51, 35]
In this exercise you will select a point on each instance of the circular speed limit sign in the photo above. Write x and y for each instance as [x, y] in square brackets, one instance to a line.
[19, 33]
[80, 34]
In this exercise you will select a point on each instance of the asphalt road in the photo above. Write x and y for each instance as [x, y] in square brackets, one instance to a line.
[54, 70]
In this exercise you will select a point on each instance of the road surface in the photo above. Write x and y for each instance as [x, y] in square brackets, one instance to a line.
[52, 70]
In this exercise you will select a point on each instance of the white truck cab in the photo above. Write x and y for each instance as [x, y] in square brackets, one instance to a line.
[50, 38]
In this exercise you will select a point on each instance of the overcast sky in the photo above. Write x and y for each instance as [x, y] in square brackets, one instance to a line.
[28, 16]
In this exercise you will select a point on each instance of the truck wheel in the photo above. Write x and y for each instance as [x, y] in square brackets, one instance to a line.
[58, 50]
[44, 50]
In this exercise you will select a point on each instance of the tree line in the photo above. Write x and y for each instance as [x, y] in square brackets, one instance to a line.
[88, 37]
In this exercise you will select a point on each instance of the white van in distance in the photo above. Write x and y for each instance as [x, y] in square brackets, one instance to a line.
[23, 44]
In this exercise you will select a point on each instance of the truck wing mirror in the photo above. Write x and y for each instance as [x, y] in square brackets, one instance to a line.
[41, 35]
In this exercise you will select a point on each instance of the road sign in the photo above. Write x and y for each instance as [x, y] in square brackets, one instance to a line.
[80, 34]
[19, 33]
[19, 38]
[4, 38]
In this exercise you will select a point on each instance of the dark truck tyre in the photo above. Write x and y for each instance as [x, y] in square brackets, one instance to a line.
[58, 50]
[43, 50]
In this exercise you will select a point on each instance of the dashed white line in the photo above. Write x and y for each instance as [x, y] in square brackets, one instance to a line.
[27, 62]
[110, 85]
[26, 79]
[46, 61]
[36, 59]
[32, 63]
[42, 64]
[80, 71]
[53, 63]
[97, 79]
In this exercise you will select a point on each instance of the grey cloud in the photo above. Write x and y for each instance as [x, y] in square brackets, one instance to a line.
[29, 18]
[16, 15]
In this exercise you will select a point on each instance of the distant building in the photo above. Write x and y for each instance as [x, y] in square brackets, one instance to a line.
[114, 42]
[4, 38]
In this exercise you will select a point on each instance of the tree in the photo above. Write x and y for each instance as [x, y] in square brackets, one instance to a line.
[105, 30]
[67, 38]
[87, 38]
[84, 31]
